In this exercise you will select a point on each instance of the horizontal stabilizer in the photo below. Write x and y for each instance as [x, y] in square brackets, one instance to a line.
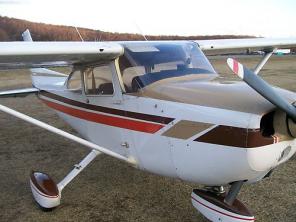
[18, 92]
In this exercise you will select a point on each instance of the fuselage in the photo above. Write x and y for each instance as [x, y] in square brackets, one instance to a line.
[196, 128]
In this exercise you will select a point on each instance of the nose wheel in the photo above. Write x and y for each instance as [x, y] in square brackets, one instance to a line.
[219, 206]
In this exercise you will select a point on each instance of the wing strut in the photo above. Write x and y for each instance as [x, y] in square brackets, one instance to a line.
[264, 60]
[45, 191]
[77, 139]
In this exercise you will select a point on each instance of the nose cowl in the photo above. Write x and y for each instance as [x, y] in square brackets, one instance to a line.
[235, 96]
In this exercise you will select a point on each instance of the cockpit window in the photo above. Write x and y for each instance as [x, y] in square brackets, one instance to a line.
[145, 63]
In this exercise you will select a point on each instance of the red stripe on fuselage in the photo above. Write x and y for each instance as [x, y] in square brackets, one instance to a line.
[108, 110]
[105, 119]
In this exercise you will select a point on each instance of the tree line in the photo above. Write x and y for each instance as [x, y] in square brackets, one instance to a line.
[11, 29]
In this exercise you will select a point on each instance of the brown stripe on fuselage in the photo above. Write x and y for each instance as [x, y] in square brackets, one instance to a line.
[140, 116]
[185, 129]
[236, 137]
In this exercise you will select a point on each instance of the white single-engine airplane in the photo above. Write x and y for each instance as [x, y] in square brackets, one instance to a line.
[160, 106]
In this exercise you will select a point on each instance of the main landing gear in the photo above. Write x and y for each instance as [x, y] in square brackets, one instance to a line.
[217, 206]
[46, 192]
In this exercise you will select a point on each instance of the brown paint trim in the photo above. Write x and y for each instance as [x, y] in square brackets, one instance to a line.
[236, 137]
[44, 184]
[140, 116]
[185, 129]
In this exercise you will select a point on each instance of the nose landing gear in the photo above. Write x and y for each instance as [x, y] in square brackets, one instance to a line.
[218, 206]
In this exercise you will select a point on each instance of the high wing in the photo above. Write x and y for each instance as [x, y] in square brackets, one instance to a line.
[252, 44]
[55, 54]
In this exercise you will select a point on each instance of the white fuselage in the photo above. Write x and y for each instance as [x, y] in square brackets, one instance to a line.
[163, 153]
[178, 119]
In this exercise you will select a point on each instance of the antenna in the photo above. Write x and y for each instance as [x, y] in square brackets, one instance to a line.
[79, 34]
[140, 30]
[100, 39]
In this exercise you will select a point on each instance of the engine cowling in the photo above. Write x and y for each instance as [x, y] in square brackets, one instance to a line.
[284, 127]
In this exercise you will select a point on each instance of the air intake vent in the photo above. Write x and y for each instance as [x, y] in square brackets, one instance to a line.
[266, 125]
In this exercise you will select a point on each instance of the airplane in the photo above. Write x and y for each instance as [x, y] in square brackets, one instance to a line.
[161, 107]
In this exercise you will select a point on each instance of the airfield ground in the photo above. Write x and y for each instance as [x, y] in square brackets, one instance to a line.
[109, 190]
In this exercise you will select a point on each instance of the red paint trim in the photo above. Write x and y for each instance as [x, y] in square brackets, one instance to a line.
[108, 110]
[239, 218]
[235, 67]
[105, 119]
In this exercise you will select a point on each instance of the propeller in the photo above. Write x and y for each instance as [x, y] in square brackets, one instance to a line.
[262, 87]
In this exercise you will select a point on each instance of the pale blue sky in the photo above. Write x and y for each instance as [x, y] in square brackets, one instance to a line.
[269, 18]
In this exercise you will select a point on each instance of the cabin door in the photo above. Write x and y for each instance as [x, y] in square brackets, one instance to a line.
[102, 94]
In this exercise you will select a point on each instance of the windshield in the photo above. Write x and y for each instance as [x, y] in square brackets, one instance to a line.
[145, 63]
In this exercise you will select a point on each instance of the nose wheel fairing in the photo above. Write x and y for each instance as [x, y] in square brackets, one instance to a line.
[214, 208]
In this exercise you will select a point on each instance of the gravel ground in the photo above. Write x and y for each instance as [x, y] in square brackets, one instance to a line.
[109, 190]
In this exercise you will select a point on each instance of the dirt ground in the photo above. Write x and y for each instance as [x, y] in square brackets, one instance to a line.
[109, 190]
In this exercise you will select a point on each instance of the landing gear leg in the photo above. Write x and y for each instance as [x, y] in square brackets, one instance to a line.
[216, 206]
[233, 192]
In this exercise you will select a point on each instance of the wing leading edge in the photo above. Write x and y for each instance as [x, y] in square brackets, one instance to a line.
[264, 44]
[55, 54]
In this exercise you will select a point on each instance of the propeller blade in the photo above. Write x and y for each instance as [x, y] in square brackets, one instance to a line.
[262, 87]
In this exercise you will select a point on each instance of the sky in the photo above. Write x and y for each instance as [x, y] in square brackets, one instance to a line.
[266, 18]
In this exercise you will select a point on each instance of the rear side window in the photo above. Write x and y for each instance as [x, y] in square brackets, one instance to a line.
[75, 82]
[98, 80]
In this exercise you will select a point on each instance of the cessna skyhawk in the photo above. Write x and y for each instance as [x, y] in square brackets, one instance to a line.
[161, 107]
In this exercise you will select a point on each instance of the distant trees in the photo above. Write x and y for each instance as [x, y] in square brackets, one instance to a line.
[3, 35]
[11, 29]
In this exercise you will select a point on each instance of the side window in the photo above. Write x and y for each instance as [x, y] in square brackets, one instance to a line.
[75, 83]
[98, 80]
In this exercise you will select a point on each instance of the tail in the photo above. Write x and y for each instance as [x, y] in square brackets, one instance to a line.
[36, 73]
[27, 36]
[20, 92]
